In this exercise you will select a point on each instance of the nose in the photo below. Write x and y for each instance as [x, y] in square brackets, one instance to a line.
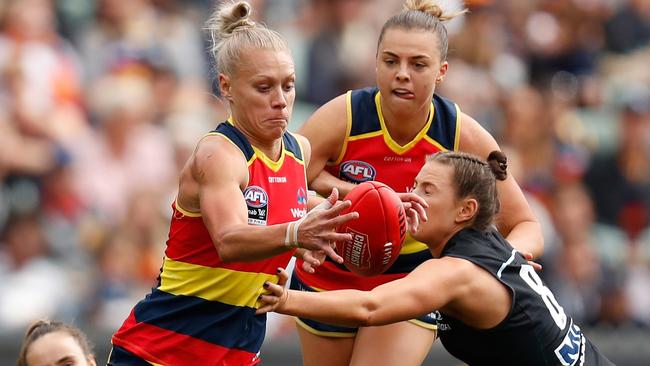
[402, 73]
[279, 100]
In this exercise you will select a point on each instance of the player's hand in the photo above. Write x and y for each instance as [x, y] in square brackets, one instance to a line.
[311, 259]
[275, 295]
[529, 257]
[414, 207]
[317, 230]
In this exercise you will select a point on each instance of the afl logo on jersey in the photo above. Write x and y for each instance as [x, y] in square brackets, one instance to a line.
[257, 202]
[357, 171]
[255, 197]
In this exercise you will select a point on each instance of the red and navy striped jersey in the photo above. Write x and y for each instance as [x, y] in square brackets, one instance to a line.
[370, 153]
[203, 310]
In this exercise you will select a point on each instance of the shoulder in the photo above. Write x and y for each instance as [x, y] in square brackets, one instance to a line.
[305, 146]
[216, 151]
[474, 138]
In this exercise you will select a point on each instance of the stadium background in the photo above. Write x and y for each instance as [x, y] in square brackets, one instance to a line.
[101, 101]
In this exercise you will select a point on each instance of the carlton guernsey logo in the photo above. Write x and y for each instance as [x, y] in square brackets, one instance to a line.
[357, 171]
[257, 202]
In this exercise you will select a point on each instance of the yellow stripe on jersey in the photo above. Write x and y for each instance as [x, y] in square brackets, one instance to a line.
[366, 135]
[213, 284]
[184, 211]
[411, 246]
[457, 137]
[392, 144]
[435, 143]
[348, 104]
[290, 154]
[273, 165]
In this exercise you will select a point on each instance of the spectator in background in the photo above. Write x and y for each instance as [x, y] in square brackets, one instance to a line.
[139, 31]
[33, 285]
[591, 259]
[128, 153]
[55, 343]
[629, 28]
[619, 182]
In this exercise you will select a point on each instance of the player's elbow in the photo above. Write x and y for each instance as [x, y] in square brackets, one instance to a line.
[369, 313]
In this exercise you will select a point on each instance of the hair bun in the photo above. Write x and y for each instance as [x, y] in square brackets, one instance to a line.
[498, 163]
[233, 15]
[432, 8]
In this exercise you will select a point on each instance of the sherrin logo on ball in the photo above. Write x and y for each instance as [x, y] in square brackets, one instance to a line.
[357, 171]
[378, 233]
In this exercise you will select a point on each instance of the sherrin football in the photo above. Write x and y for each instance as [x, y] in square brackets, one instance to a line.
[378, 233]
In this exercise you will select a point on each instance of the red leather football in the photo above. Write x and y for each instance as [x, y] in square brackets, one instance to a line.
[378, 233]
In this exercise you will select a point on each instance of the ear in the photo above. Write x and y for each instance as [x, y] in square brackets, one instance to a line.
[442, 72]
[466, 210]
[224, 86]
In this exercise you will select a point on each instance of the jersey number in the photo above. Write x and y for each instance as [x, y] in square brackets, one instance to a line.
[529, 276]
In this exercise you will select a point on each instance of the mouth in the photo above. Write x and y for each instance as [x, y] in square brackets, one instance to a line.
[403, 93]
[279, 120]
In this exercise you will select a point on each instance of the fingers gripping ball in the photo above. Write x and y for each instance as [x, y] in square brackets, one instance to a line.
[378, 233]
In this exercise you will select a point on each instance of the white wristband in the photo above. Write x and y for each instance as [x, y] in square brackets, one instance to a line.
[291, 235]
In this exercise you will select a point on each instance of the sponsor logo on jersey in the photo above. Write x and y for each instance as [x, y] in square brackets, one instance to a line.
[301, 196]
[277, 179]
[298, 212]
[257, 202]
[398, 159]
[569, 351]
[357, 171]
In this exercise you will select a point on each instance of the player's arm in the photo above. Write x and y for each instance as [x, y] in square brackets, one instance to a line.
[432, 285]
[221, 172]
[326, 130]
[515, 220]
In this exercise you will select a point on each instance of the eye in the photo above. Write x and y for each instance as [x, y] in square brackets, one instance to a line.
[289, 86]
[390, 61]
[420, 65]
[263, 88]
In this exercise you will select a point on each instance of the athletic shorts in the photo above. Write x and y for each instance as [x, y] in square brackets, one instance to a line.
[428, 321]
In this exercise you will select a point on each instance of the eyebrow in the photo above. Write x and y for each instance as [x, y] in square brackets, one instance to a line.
[65, 359]
[417, 57]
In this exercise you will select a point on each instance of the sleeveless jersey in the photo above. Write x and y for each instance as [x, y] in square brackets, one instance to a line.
[203, 310]
[535, 332]
[369, 153]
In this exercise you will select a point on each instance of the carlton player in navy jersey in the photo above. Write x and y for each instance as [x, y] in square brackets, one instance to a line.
[493, 308]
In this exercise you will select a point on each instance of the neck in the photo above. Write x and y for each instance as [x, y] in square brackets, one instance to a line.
[442, 243]
[404, 124]
[272, 148]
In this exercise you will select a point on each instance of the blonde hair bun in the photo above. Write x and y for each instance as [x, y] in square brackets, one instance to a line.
[431, 7]
[232, 15]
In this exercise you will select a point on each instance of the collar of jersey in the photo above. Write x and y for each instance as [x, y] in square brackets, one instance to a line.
[392, 144]
[273, 165]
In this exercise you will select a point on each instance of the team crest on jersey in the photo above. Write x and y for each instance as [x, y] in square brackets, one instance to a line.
[301, 196]
[357, 171]
[257, 202]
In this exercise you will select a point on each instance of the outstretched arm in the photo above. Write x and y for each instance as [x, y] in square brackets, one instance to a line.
[432, 285]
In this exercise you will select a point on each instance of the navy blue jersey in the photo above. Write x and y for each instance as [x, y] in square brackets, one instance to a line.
[536, 331]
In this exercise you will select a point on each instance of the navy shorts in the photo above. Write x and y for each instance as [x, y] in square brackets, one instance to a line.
[428, 321]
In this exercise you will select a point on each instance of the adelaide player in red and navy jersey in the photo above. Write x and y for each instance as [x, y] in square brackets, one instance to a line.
[240, 213]
[383, 133]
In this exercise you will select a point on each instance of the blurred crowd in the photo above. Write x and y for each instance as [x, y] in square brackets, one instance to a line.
[102, 101]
